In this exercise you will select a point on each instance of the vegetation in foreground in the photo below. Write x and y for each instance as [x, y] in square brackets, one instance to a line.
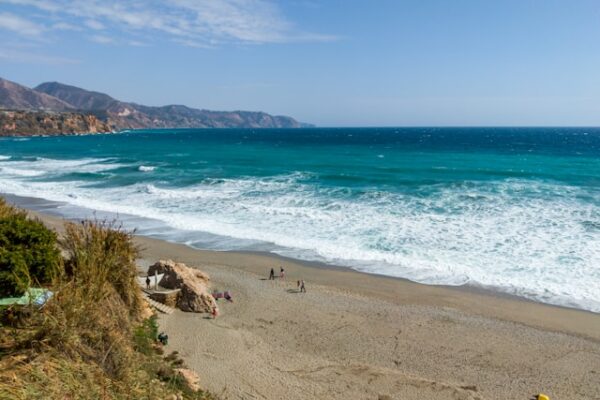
[94, 338]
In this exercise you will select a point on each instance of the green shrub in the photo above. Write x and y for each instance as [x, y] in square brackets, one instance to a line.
[28, 254]
[145, 334]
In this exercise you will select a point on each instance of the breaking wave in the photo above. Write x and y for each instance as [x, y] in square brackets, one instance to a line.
[526, 237]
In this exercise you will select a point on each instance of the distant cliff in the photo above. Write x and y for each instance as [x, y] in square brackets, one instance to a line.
[122, 115]
[28, 123]
[45, 103]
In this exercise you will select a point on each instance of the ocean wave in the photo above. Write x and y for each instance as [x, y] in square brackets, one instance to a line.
[524, 237]
[146, 168]
[20, 172]
[39, 166]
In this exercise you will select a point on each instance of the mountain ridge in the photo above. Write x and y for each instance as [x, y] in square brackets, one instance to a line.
[129, 115]
[56, 97]
[16, 96]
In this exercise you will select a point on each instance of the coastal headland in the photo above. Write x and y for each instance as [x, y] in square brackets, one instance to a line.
[359, 336]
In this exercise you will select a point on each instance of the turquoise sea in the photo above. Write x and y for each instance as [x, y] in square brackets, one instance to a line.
[515, 210]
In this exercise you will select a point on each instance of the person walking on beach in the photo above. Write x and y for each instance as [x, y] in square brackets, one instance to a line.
[272, 275]
[214, 313]
[281, 273]
[302, 286]
[147, 282]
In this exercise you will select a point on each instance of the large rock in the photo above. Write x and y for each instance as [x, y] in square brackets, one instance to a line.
[194, 295]
[190, 379]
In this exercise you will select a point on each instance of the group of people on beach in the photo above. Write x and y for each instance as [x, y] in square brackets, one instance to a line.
[281, 274]
[301, 286]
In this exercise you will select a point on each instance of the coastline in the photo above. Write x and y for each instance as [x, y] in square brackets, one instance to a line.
[44, 209]
[357, 335]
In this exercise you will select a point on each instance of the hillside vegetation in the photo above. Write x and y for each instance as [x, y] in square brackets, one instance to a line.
[94, 338]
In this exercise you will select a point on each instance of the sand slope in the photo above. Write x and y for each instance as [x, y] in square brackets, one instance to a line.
[274, 343]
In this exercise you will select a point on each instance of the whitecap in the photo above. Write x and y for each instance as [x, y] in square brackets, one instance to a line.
[146, 168]
[523, 237]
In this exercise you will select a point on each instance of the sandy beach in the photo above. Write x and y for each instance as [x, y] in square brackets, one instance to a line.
[358, 336]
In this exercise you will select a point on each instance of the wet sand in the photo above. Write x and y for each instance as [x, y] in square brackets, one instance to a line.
[358, 336]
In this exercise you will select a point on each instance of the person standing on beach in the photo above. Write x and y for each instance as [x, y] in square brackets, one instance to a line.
[281, 273]
[147, 282]
[272, 275]
[302, 286]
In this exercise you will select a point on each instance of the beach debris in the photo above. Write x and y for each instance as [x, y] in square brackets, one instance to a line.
[541, 397]
[32, 296]
[194, 295]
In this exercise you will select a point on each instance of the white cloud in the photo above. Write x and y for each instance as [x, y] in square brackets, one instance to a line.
[93, 24]
[19, 25]
[46, 5]
[102, 39]
[12, 55]
[63, 26]
[137, 43]
[198, 22]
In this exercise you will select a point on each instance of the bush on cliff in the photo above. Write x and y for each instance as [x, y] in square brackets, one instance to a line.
[28, 252]
[90, 340]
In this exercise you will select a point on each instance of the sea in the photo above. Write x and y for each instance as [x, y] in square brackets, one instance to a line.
[513, 210]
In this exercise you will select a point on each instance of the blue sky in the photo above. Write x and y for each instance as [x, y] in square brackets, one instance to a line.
[332, 63]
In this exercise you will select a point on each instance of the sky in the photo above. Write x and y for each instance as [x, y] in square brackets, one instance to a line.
[329, 62]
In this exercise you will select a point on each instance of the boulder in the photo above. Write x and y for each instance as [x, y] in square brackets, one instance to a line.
[194, 295]
[190, 379]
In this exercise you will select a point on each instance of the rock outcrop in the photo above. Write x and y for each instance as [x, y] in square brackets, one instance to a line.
[29, 123]
[190, 379]
[194, 295]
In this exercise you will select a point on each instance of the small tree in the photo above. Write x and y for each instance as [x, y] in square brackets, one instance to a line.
[28, 254]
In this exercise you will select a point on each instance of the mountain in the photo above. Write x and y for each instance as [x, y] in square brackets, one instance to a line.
[123, 115]
[79, 98]
[47, 99]
[18, 97]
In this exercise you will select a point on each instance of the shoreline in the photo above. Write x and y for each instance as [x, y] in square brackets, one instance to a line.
[471, 299]
[467, 288]
[357, 335]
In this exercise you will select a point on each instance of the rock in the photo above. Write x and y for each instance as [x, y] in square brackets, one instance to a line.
[32, 123]
[190, 378]
[194, 295]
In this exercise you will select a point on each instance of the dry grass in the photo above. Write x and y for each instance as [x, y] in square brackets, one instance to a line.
[101, 254]
[88, 341]
[6, 210]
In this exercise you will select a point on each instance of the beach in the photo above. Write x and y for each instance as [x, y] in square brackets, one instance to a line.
[359, 336]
